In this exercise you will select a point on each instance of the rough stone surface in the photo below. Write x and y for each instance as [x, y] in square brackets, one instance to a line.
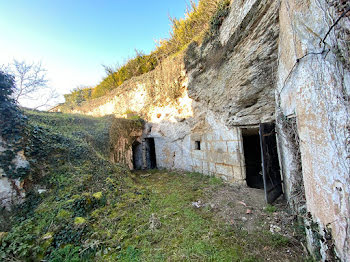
[176, 146]
[315, 90]
[235, 76]
[11, 190]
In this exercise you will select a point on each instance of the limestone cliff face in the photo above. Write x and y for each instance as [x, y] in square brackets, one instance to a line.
[313, 86]
[235, 73]
[155, 96]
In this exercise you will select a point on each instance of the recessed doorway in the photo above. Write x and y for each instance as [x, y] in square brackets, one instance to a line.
[151, 159]
[137, 158]
[261, 160]
[252, 155]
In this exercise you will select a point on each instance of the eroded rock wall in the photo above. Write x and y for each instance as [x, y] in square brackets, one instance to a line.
[234, 74]
[175, 124]
[313, 86]
[13, 164]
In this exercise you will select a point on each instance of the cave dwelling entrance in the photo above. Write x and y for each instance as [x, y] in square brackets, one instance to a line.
[261, 160]
[144, 154]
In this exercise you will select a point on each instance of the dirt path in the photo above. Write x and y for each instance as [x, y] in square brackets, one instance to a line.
[239, 214]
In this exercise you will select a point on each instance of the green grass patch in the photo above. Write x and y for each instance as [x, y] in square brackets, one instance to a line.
[270, 209]
[94, 210]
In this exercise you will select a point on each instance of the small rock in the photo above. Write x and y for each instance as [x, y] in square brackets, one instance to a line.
[196, 204]
[275, 229]
[40, 191]
[244, 219]
[154, 222]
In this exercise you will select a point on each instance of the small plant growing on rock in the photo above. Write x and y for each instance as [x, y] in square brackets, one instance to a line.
[217, 19]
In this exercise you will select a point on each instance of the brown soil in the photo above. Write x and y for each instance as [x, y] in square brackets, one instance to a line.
[246, 209]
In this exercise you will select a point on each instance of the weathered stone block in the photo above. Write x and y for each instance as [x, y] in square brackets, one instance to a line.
[212, 168]
[209, 137]
[231, 159]
[222, 134]
[219, 146]
[232, 146]
[224, 170]
[198, 154]
[209, 146]
[197, 163]
[206, 170]
[239, 173]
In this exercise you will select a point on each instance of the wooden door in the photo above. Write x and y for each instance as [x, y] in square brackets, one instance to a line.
[270, 164]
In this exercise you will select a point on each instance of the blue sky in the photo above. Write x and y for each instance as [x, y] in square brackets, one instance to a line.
[73, 38]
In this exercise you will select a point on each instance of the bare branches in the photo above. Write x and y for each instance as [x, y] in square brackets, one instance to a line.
[31, 84]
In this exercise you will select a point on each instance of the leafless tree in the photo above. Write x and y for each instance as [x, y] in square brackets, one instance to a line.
[31, 83]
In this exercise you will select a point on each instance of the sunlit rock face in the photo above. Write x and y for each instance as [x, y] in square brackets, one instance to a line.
[234, 75]
[11, 190]
[313, 85]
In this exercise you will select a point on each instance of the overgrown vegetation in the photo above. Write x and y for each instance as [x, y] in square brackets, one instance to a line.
[106, 216]
[92, 210]
[68, 157]
[12, 122]
[200, 20]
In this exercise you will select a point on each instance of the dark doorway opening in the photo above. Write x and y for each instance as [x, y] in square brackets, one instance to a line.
[137, 155]
[252, 155]
[150, 153]
[261, 159]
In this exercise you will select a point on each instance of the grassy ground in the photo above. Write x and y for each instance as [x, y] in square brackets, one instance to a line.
[94, 210]
[184, 232]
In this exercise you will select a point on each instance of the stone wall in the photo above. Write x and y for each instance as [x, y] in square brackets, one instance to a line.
[313, 86]
[220, 152]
